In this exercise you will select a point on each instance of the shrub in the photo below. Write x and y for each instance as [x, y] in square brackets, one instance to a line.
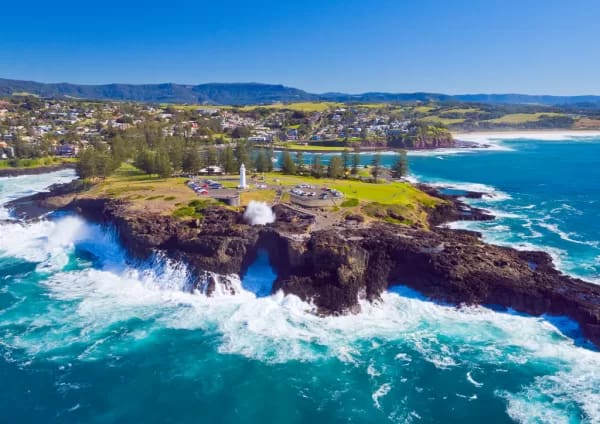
[186, 212]
[350, 203]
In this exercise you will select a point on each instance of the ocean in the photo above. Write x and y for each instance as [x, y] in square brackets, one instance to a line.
[89, 335]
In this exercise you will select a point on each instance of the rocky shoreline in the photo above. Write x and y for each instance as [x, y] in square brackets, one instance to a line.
[333, 268]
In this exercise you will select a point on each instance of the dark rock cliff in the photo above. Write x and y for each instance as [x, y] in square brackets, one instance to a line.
[335, 268]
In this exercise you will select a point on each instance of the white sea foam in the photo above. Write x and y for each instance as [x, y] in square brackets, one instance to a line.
[472, 380]
[383, 390]
[278, 328]
[495, 137]
[14, 187]
[282, 328]
[490, 194]
[554, 228]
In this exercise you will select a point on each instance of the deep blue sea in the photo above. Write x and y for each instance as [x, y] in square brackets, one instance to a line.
[87, 335]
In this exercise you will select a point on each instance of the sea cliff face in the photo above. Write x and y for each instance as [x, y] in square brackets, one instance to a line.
[334, 268]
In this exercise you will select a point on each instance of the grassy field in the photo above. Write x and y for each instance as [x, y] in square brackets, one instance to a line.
[460, 111]
[300, 107]
[394, 202]
[440, 119]
[423, 109]
[35, 163]
[193, 107]
[144, 192]
[374, 106]
[522, 118]
[390, 201]
[309, 147]
[257, 195]
[24, 94]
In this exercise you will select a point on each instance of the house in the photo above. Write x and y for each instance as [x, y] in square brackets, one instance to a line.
[6, 151]
[211, 170]
[258, 139]
[67, 150]
[292, 134]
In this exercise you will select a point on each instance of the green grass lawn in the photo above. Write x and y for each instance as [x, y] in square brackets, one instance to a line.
[522, 118]
[35, 163]
[258, 195]
[386, 200]
[374, 106]
[385, 192]
[459, 111]
[423, 109]
[397, 202]
[143, 191]
[309, 147]
[300, 106]
[445, 121]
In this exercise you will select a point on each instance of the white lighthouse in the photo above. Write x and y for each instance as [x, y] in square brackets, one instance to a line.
[243, 177]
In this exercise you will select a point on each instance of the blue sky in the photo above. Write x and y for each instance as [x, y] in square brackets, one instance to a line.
[452, 46]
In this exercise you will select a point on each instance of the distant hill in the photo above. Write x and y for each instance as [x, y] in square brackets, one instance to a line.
[255, 93]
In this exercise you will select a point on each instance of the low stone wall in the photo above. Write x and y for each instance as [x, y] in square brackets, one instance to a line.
[315, 202]
[228, 196]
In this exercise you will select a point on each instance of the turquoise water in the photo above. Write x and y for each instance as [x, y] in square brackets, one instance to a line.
[87, 335]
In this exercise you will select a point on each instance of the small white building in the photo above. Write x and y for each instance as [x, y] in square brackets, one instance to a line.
[211, 170]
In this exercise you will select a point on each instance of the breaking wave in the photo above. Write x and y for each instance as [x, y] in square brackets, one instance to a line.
[98, 288]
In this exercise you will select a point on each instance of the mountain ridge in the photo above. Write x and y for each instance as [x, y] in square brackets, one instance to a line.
[241, 93]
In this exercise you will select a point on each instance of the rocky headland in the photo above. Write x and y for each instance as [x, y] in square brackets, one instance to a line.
[336, 267]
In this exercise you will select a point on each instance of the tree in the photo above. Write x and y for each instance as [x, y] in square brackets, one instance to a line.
[287, 164]
[335, 168]
[119, 149]
[299, 161]
[211, 156]
[400, 168]
[346, 160]
[355, 163]
[105, 165]
[163, 165]
[261, 162]
[146, 161]
[316, 169]
[270, 155]
[240, 132]
[95, 163]
[176, 153]
[192, 162]
[86, 165]
[241, 153]
[376, 166]
[228, 161]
